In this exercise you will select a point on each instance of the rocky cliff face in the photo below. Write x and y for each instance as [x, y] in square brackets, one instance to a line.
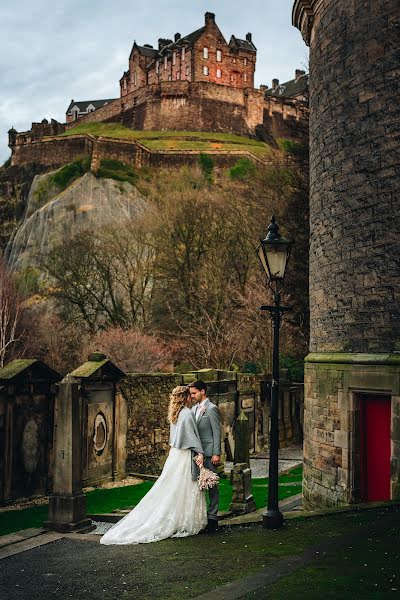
[51, 216]
[15, 183]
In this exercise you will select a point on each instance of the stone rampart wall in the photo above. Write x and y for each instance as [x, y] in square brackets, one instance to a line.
[62, 150]
[201, 106]
[52, 151]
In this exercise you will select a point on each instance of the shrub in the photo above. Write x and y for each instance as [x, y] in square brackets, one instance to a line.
[242, 169]
[206, 165]
[115, 169]
[132, 350]
[27, 281]
[64, 176]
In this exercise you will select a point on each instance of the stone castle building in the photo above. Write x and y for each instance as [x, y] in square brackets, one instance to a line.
[198, 82]
[202, 55]
[352, 393]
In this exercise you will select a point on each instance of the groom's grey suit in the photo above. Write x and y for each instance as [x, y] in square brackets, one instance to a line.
[209, 426]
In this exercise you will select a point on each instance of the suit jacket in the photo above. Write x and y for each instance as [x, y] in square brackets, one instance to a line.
[209, 426]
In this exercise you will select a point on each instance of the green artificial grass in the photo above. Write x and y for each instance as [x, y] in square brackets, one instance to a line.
[107, 500]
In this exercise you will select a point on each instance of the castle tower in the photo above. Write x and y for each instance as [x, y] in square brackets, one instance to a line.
[352, 416]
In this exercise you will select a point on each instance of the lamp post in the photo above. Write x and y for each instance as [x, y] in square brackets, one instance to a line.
[274, 252]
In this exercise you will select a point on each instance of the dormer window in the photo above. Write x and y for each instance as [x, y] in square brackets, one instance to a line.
[174, 58]
[219, 55]
[205, 52]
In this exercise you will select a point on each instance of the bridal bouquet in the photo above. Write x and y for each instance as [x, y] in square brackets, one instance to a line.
[207, 479]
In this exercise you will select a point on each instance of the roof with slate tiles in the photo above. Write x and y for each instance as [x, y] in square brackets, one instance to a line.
[290, 89]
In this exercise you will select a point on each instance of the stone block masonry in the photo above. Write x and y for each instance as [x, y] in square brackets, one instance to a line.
[354, 247]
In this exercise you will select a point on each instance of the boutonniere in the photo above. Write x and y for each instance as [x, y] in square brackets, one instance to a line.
[202, 410]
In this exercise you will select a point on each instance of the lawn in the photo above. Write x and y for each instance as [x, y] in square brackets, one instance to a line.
[175, 140]
[107, 500]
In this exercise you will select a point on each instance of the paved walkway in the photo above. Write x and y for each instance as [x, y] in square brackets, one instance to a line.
[288, 458]
[40, 565]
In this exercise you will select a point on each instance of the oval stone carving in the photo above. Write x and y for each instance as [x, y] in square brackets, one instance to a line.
[100, 433]
[30, 446]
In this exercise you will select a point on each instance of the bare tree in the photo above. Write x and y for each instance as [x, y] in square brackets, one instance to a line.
[11, 317]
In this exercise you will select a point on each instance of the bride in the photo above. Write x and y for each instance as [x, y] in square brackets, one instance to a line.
[174, 507]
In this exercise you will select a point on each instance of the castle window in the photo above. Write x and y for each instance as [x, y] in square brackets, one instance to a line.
[205, 52]
[245, 76]
[183, 53]
[187, 71]
[169, 77]
[157, 66]
[165, 63]
[205, 70]
[219, 55]
[234, 60]
[245, 61]
[174, 58]
[219, 73]
[135, 78]
[178, 75]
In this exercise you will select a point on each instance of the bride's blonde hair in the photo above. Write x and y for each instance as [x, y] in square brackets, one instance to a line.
[177, 401]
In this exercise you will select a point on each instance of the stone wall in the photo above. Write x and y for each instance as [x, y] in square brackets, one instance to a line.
[55, 152]
[52, 151]
[148, 430]
[354, 176]
[201, 106]
[354, 241]
[335, 389]
[147, 397]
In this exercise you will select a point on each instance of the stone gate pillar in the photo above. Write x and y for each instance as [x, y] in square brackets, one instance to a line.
[354, 245]
[67, 503]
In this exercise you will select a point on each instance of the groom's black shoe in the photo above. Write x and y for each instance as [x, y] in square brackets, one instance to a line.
[212, 526]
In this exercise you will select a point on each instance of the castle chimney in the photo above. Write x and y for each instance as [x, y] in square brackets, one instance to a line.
[275, 83]
[162, 42]
[177, 37]
[248, 37]
[209, 18]
[298, 73]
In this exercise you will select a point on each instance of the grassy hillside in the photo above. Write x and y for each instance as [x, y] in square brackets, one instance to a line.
[175, 140]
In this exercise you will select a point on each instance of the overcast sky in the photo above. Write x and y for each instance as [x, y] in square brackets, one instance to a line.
[51, 51]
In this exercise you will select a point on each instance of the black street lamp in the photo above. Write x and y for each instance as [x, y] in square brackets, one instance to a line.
[274, 252]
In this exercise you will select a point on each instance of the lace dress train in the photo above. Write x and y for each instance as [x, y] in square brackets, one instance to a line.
[174, 507]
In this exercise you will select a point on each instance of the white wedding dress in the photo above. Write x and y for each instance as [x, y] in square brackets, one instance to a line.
[174, 507]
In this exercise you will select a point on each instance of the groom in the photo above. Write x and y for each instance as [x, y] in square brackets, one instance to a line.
[209, 425]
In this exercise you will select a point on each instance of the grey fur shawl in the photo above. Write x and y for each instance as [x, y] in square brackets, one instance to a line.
[184, 435]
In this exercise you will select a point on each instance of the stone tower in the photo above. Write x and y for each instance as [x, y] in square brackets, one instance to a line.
[352, 416]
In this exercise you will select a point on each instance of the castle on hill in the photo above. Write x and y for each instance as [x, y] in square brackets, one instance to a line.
[196, 82]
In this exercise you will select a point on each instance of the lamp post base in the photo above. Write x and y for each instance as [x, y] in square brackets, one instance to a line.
[272, 519]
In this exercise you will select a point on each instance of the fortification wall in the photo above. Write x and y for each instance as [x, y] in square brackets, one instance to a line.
[62, 150]
[200, 106]
[52, 151]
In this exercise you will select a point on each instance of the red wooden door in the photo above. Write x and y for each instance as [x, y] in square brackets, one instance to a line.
[375, 448]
